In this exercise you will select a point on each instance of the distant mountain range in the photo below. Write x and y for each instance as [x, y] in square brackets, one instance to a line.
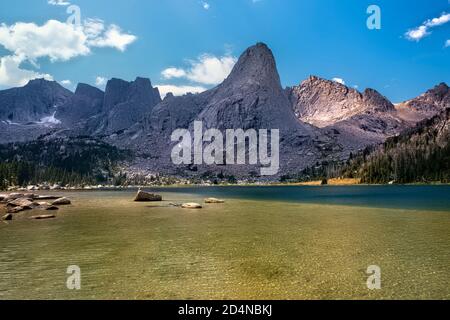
[319, 120]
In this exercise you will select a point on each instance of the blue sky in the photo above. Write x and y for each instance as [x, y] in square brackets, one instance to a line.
[191, 44]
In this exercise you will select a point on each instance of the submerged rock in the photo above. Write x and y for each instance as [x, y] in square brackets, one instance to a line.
[43, 217]
[47, 207]
[14, 210]
[47, 197]
[174, 205]
[61, 202]
[7, 217]
[214, 200]
[191, 205]
[143, 196]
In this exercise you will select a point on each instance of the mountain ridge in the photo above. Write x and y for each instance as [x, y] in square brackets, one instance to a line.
[318, 119]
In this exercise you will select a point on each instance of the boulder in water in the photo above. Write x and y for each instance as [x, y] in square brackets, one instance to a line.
[143, 196]
[191, 205]
[61, 202]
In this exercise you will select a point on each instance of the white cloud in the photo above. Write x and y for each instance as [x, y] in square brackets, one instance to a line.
[100, 81]
[12, 75]
[55, 40]
[206, 5]
[179, 90]
[417, 34]
[58, 2]
[66, 82]
[447, 43]
[423, 30]
[113, 37]
[207, 70]
[444, 18]
[339, 80]
[170, 73]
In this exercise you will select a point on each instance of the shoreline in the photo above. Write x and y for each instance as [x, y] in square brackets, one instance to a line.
[317, 183]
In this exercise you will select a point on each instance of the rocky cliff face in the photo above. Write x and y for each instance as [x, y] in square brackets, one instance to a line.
[33, 102]
[29, 112]
[84, 104]
[125, 103]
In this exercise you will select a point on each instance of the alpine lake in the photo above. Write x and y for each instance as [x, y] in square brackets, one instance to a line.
[286, 242]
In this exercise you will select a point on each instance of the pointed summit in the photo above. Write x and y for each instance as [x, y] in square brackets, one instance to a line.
[256, 65]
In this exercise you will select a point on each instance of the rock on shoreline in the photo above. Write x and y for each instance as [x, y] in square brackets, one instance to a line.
[18, 202]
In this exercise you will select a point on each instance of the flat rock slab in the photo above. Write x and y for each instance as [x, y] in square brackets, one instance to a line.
[43, 217]
[214, 200]
[24, 203]
[13, 196]
[191, 205]
[143, 196]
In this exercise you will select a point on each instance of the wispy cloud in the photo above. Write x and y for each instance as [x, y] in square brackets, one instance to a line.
[423, 30]
[164, 89]
[447, 43]
[58, 2]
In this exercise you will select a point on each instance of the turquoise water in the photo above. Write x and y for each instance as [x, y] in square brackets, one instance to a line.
[263, 243]
[405, 197]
